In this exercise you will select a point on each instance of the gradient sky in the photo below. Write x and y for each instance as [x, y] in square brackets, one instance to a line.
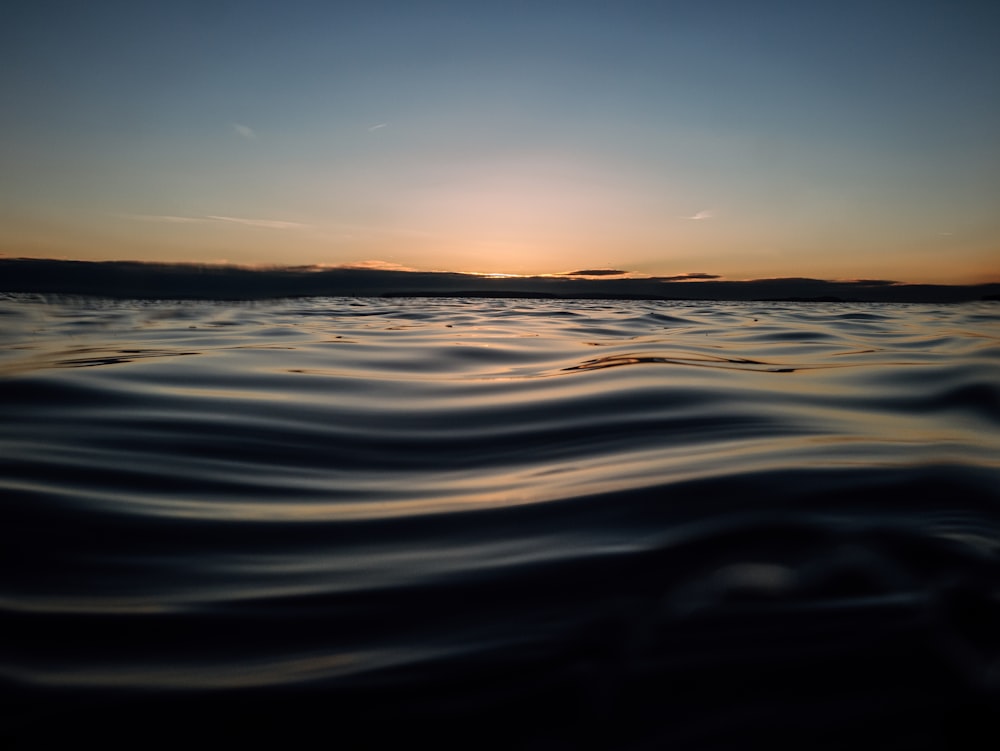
[746, 139]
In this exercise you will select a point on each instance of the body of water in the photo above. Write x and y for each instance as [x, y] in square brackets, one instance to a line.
[561, 523]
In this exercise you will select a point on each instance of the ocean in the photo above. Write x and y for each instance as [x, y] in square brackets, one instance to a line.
[499, 523]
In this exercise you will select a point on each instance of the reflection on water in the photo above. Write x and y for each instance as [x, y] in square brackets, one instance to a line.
[666, 523]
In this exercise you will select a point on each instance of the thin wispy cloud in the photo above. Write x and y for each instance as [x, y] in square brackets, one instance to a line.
[215, 219]
[265, 223]
[377, 126]
[694, 276]
[706, 214]
[245, 131]
[167, 219]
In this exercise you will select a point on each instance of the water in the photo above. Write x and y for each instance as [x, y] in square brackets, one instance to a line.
[572, 523]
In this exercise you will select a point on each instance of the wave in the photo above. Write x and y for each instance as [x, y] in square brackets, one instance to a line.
[594, 523]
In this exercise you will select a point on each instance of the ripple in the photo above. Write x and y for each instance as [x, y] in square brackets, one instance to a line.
[340, 496]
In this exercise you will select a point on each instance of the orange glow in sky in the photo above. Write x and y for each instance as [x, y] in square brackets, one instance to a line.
[655, 138]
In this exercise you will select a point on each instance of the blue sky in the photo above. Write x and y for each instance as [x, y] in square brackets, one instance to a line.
[760, 139]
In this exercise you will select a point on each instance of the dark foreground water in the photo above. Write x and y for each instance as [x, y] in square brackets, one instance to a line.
[509, 523]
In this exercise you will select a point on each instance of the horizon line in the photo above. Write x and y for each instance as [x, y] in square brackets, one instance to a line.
[586, 275]
[176, 280]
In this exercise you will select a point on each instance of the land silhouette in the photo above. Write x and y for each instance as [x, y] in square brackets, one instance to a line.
[132, 279]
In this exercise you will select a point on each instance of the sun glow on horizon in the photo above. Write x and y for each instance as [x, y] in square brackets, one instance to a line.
[651, 138]
[493, 275]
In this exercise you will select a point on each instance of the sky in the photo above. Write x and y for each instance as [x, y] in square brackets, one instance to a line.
[835, 140]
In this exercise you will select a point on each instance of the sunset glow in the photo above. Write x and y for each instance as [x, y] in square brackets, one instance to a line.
[827, 141]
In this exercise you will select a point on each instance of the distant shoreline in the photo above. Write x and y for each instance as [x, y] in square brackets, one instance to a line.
[154, 281]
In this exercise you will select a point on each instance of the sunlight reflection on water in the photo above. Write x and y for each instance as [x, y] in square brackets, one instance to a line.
[300, 492]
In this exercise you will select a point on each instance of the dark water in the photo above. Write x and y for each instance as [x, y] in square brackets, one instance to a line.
[499, 522]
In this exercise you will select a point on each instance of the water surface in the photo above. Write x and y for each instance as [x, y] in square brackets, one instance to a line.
[616, 524]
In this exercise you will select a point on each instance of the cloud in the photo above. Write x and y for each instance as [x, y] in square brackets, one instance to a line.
[265, 223]
[377, 126]
[372, 265]
[694, 276]
[246, 131]
[375, 265]
[213, 219]
[166, 219]
[705, 214]
[595, 272]
[873, 282]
